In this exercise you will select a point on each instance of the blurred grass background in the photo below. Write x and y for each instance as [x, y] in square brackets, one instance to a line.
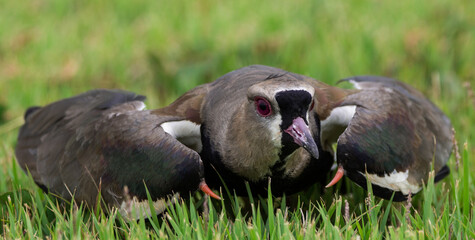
[52, 49]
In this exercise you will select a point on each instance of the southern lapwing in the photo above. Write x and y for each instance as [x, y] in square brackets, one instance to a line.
[393, 139]
[250, 125]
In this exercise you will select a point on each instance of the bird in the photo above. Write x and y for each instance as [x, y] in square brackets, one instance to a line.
[252, 124]
[394, 138]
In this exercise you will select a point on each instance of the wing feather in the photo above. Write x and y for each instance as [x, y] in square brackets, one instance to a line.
[102, 140]
[394, 129]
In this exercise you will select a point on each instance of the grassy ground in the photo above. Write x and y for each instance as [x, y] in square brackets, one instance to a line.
[51, 49]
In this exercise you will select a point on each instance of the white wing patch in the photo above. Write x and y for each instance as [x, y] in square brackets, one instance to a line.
[355, 84]
[135, 105]
[340, 116]
[396, 181]
[334, 125]
[186, 132]
[141, 106]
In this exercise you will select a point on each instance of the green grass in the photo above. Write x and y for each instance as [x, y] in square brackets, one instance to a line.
[51, 49]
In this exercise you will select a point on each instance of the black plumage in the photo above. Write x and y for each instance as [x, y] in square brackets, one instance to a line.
[250, 125]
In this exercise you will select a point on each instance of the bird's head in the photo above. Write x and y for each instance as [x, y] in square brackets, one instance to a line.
[284, 108]
[264, 125]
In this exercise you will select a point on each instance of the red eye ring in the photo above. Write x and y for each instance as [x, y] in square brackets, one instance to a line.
[263, 106]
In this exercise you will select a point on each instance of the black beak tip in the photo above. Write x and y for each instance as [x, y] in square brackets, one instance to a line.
[313, 150]
[302, 136]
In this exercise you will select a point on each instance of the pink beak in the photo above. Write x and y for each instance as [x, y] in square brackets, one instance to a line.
[301, 133]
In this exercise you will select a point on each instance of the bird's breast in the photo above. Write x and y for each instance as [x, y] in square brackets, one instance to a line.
[292, 165]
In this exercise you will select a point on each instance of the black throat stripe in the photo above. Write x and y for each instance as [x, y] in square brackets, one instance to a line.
[292, 104]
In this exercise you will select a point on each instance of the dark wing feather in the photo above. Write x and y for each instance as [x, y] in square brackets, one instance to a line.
[41, 122]
[101, 140]
[394, 128]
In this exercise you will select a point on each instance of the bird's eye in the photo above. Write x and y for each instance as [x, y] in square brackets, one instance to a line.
[312, 105]
[262, 106]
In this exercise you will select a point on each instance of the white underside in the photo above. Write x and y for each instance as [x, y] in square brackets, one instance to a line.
[135, 209]
[186, 132]
[396, 181]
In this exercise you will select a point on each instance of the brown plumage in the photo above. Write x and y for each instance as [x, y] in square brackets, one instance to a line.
[251, 124]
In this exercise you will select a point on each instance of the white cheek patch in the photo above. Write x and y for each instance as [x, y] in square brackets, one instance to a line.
[186, 132]
[396, 181]
[275, 131]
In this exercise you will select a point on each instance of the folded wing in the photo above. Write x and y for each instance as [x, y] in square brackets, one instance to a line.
[103, 140]
[394, 138]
